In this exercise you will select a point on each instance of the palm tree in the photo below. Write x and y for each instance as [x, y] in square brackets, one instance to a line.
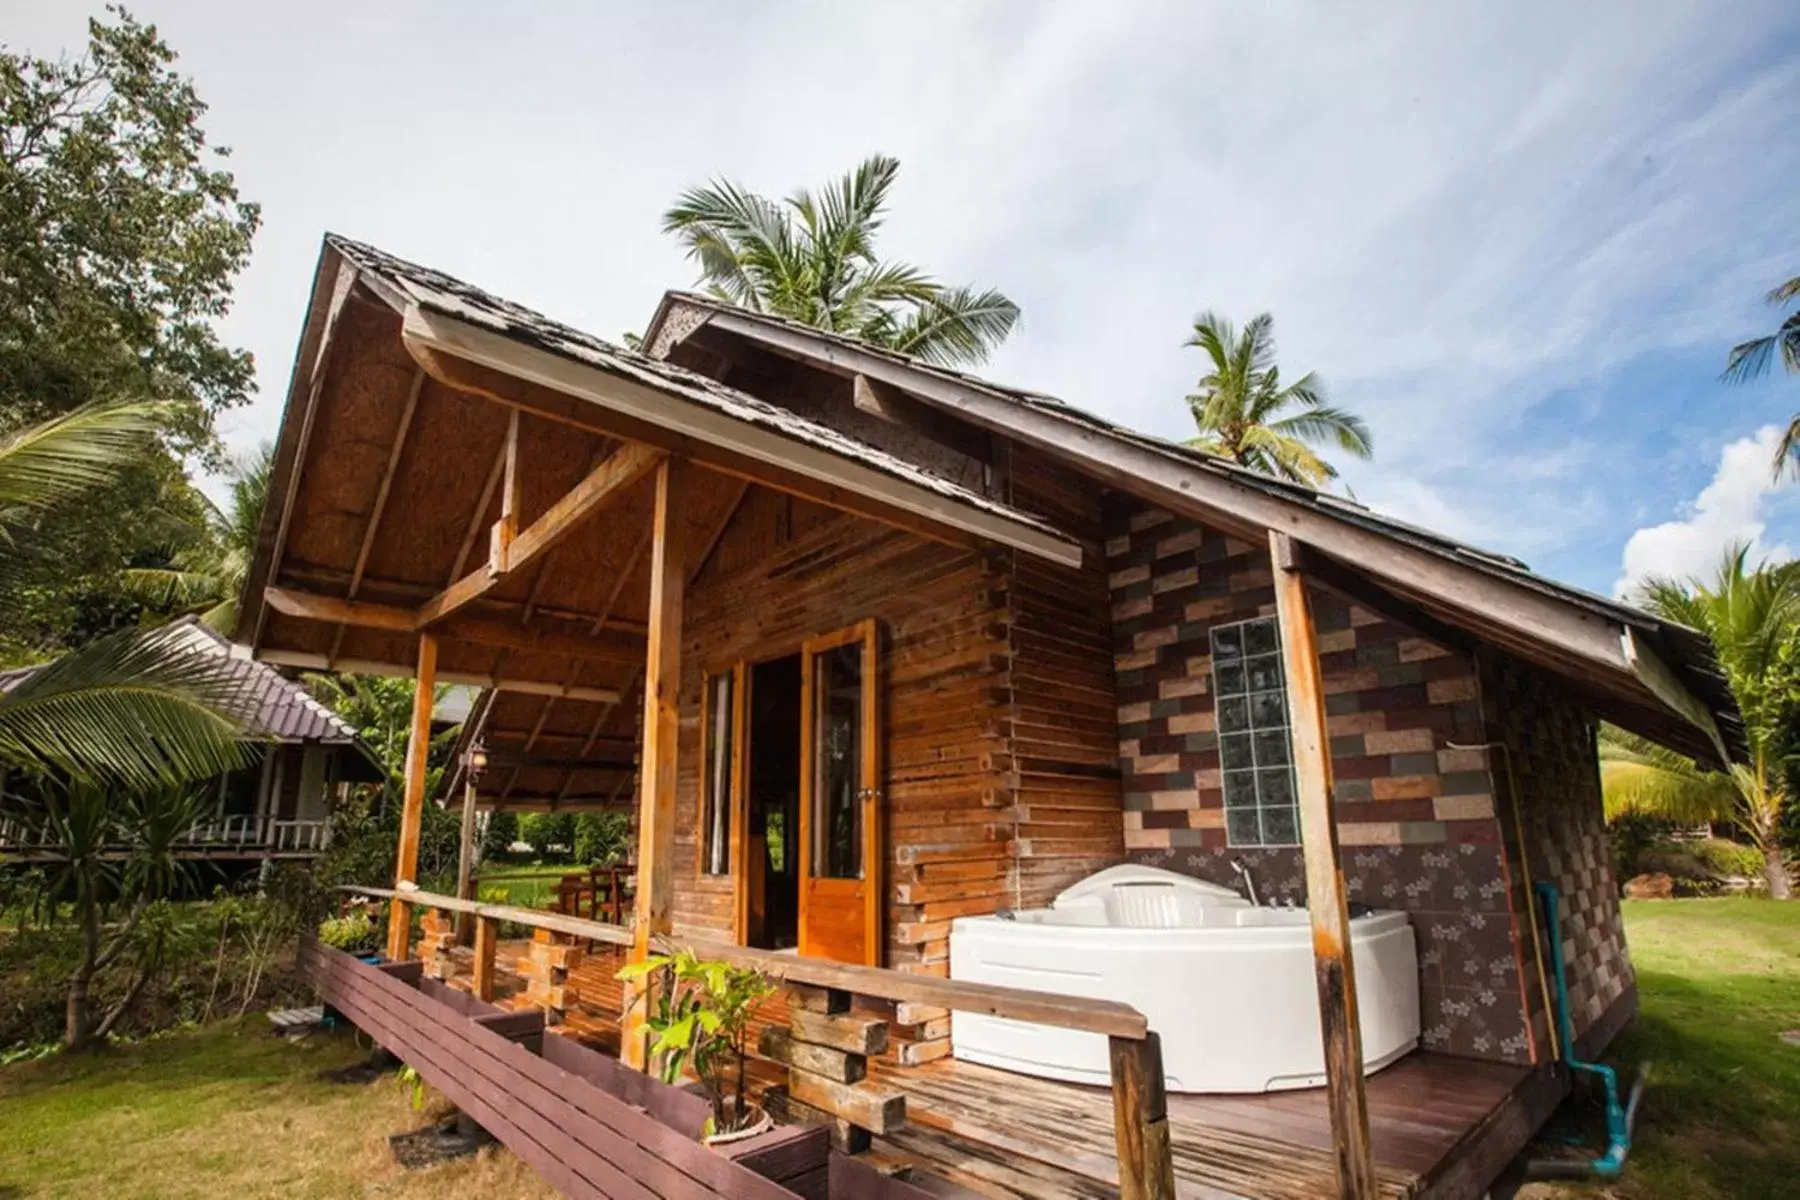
[210, 578]
[1753, 618]
[133, 708]
[811, 258]
[1238, 406]
[1750, 360]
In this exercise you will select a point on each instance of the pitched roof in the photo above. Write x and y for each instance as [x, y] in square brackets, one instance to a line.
[1691, 651]
[437, 292]
[273, 705]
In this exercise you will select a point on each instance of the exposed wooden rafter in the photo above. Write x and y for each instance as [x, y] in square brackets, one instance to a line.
[604, 483]
[379, 506]
[600, 646]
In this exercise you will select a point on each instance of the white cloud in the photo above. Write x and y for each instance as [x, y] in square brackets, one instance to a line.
[1732, 508]
[1454, 212]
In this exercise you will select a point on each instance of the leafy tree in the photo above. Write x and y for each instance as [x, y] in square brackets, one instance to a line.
[1753, 618]
[120, 237]
[1245, 413]
[551, 836]
[602, 838]
[208, 576]
[498, 834]
[811, 258]
[86, 826]
[1750, 360]
[366, 833]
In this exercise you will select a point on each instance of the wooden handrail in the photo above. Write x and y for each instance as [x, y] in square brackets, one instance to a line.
[1140, 1114]
[1109, 1017]
[537, 918]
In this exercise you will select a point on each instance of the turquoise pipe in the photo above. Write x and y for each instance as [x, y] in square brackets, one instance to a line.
[1620, 1118]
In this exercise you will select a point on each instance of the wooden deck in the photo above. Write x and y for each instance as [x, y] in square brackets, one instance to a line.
[1441, 1127]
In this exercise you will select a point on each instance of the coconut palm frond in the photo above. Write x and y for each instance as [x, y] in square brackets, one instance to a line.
[958, 325]
[1638, 776]
[169, 588]
[57, 460]
[1243, 410]
[1324, 423]
[139, 709]
[811, 258]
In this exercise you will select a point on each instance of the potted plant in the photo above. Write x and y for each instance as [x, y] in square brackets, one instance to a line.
[702, 1022]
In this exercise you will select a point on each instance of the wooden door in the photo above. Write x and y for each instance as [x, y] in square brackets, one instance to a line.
[840, 797]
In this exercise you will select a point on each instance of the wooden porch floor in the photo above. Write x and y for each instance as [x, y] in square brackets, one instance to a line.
[1441, 1126]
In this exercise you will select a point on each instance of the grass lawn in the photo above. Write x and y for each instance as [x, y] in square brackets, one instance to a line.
[527, 885]
[230, 1111]
[1718, 981]
[233, 1111]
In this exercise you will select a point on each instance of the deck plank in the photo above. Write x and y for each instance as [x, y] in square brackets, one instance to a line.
[1007, 1136]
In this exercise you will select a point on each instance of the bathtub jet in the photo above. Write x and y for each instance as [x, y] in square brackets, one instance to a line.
[1228, 985]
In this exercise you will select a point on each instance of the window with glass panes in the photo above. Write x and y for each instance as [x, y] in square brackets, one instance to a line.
[1255, 754]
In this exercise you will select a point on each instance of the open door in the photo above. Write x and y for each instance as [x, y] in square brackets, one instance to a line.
[840, 797]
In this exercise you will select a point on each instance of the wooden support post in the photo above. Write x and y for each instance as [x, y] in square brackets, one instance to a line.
[465, 859]
[486, 936]
[418, 745]
[1333, 965]
[1141, 1119]
[656, 772]
[506, 529]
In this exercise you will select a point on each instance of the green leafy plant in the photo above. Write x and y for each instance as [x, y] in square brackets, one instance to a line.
[413, 1084]
[353, 932]
[703, 1020]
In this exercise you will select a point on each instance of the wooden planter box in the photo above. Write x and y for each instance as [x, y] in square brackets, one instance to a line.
[587, 1124]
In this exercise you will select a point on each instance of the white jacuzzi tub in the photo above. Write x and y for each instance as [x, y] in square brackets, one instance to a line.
[1229, 987]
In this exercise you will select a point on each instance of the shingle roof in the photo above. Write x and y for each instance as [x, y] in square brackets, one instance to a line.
[1691, 649]
[274, 706]
[438, 292]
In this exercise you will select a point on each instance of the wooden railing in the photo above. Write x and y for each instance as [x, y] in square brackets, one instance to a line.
[1140, 1110]
[247, 833]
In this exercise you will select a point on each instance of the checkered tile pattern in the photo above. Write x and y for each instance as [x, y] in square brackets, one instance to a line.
[1551, 740]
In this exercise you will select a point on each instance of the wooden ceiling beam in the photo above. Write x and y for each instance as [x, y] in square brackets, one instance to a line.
[603, 484]
[362, 614]
[890, 404]
[396, 591]
[307, 661]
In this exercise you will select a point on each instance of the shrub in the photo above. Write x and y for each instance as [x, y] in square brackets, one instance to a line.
[354, 932]
[1727, 859]
[602, 839]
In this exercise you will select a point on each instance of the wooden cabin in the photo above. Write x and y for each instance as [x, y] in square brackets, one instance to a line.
[278, 807]
[868, 645]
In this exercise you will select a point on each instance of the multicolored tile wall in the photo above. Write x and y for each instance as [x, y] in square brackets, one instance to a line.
[1550, 740]
[1416, 813]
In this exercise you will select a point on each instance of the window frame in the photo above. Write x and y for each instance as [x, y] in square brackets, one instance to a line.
[705, 848]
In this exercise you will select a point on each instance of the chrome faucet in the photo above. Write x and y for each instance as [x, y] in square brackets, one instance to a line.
[1243, 873]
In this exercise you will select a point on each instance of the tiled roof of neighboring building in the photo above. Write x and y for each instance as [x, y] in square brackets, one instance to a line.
[274, 706]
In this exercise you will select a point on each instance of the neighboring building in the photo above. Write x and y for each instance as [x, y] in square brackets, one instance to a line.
[929, 648]
[281, 806]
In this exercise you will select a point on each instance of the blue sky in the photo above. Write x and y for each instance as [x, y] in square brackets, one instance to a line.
[1519, 238]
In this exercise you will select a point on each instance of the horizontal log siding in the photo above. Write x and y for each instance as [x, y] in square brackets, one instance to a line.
[779, 576]
[1067, 810]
